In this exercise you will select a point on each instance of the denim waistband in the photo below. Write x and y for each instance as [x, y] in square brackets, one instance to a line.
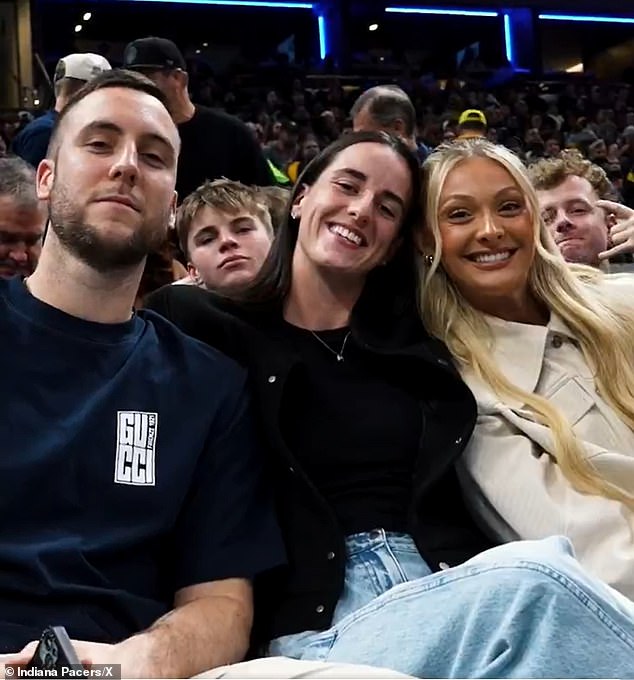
[367, 540]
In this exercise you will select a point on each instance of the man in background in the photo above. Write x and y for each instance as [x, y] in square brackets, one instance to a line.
[214, 144]
[71, 73]
[472, 123]
[575, 199]
[388, 108]
[22, 218]
[283, 150]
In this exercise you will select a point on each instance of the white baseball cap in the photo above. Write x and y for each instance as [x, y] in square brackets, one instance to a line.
[84, 66]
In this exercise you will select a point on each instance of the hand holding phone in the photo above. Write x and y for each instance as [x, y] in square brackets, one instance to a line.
[54, 651]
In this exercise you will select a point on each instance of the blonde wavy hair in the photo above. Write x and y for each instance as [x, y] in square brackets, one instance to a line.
[603, 328]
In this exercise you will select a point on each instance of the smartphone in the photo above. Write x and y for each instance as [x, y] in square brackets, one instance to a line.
[54, 651]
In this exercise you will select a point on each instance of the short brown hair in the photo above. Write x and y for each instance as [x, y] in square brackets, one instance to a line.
[108, 79]
[548, 173]
[226, 196]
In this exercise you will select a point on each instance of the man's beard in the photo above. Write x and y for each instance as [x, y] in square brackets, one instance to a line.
[85, 241]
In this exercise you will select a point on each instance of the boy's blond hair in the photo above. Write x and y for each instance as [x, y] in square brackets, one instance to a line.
[226, 196]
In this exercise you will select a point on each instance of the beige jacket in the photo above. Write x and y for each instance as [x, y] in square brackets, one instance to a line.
[509, 471]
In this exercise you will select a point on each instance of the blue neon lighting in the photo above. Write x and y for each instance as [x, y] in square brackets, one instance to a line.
[323, 39]
[508, 39]
[441, 11]
[239, 3]
[588, 18]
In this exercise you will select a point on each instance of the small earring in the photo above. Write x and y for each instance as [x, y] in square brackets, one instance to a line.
[429, 260]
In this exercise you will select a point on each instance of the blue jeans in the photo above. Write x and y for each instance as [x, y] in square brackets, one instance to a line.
[522, 610]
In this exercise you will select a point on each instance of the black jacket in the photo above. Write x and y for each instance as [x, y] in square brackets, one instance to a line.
[304, 596]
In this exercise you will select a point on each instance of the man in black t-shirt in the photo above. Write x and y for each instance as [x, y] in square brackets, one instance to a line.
[134, 511]
[213, 144]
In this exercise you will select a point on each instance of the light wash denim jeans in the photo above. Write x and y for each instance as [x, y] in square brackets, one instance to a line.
[522, 610]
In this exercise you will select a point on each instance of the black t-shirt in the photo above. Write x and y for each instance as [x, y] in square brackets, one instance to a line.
[129, 465]
[215, 145]
[355, 430]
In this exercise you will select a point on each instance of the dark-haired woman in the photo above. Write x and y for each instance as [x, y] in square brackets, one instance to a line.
[364, 417]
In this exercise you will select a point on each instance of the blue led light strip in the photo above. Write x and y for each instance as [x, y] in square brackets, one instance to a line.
[321, 22]
[587, 18]
[508, 39]
[323, 41]
[442, 11]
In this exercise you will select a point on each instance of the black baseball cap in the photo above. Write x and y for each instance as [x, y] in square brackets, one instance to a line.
[153, 53]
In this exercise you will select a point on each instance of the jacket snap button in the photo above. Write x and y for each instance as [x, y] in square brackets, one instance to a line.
[444, 565]
[557, 341]
[272, 378]
[291, 469]
[458, 440]
[320, 609]
[330, 556]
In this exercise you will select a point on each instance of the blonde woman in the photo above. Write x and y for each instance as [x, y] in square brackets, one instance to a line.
[547, 349]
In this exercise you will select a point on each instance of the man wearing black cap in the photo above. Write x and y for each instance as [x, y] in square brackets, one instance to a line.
[213, 144]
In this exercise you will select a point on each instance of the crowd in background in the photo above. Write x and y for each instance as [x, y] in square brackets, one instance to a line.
[296, 116]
